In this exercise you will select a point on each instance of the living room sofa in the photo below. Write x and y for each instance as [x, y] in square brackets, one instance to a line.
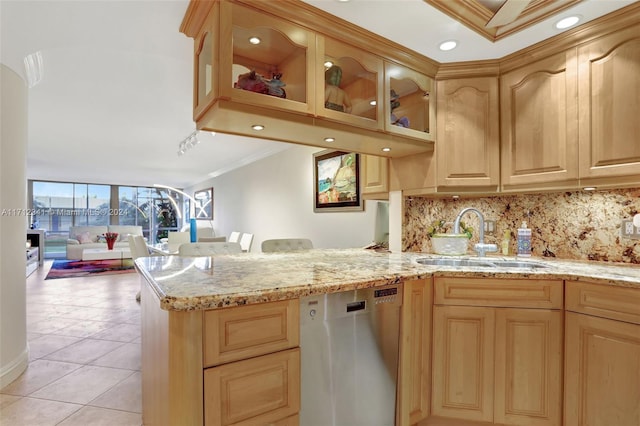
[84, 237]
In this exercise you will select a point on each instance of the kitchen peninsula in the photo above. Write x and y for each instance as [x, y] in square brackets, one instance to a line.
[215, 330]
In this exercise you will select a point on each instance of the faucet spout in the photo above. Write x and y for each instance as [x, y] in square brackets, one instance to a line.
[481, 247]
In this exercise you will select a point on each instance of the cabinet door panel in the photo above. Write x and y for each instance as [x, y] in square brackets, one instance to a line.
[528, 389]
[609, 105]
[539, 123]
[602, 372]
[500, 292]
[415, 353]
[468, 130]
[237, 333]
[255, 391]
[463, 362]
[375, 176]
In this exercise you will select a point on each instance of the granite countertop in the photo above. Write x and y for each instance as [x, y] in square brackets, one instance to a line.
[190, 283]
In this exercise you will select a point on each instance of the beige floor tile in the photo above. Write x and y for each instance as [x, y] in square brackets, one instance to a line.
[126, 395]
[96, 416]
[36, 412]
[39, 373]
[83, 385]
[48, 343]
[84, 351]
[119, 333]
[50, 325]
[85, 328]
[112, 386]
[126, 356]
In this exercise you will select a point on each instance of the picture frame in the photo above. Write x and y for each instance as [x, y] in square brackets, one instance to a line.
[336, 177]
[203, 201]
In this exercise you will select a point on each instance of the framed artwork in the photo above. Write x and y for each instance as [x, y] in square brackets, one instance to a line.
[336, 177]
[203, 201]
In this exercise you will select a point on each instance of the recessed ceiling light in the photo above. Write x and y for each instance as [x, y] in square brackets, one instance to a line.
[455, 197]
[448, 45]
[328, 64]
[257, 127]
[254, 40]
[567, 22]
[589, 188]
[329, 139]
[386, 149]
[373, 103]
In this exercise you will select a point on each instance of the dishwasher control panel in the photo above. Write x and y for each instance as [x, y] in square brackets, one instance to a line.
[385, 295]
[321, 307]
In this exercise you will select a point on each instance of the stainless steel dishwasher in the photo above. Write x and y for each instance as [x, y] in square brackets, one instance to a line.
[349, 345]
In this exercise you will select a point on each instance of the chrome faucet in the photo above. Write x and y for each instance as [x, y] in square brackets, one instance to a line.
[481, 247]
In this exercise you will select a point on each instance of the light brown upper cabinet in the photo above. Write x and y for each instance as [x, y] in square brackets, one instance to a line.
[539, 124]
[375, 177]
[468, 142]
[409, 102]
[609, 109]
[350, 84]
[260, 63]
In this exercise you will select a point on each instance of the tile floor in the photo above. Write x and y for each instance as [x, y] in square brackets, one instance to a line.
[84, 354]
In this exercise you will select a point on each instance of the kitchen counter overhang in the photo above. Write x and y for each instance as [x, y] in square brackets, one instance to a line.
[194, 283]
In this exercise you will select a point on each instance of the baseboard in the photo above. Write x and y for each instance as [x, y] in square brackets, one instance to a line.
[15, 368]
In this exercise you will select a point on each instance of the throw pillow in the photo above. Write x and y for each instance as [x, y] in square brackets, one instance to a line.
[84, 238]
[124, 237]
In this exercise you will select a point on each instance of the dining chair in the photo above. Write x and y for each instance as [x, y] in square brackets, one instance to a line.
[138, 248]
[245, 241]
[208, 249]
[212, 239]
[286, 244]
[234, 237]
[176, 238]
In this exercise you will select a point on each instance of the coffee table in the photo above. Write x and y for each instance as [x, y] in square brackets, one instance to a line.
[103, 253]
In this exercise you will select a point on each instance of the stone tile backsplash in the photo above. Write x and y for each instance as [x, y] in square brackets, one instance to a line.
[579, 225]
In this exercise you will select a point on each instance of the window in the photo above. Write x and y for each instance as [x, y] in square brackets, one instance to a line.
[61, 205]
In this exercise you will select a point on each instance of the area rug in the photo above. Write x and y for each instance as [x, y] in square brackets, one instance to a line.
[86, 268]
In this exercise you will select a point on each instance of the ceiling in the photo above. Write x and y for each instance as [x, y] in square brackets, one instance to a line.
[114, 101]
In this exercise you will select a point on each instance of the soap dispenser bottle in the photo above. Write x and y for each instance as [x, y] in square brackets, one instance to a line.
[524, 240]
[506, 239]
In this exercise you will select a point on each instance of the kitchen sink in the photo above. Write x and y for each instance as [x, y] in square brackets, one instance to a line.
[479, 262]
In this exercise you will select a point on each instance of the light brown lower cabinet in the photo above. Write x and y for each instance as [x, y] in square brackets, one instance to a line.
[602, 350]
[238, 365]
[256, 391]
[500, 359]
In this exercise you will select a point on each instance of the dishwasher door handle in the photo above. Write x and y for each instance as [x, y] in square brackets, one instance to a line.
[356, 306]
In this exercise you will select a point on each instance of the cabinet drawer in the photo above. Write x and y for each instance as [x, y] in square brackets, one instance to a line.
[618, 303]
[247, 331]
[257, 391]
[514, 293]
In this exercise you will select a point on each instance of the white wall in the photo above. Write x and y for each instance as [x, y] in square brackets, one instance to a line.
[273, 198]
[14, 354]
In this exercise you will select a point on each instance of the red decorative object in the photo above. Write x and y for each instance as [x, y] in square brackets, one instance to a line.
[111, 238]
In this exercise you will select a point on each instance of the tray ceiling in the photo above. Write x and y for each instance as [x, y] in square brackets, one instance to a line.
[496, 19]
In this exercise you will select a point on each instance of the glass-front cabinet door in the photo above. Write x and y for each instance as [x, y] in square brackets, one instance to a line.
[204, 71]
[349, 84]
[410, 102]
[265, 61]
